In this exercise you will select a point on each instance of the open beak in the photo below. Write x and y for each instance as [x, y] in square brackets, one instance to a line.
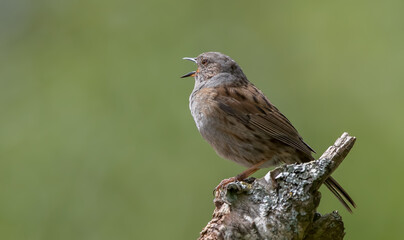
[190, 59]
[190, 74]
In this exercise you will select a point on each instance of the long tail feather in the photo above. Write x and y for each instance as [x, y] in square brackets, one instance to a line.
[340, 193]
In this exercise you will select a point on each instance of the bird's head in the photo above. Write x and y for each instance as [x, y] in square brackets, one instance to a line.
[211, 64]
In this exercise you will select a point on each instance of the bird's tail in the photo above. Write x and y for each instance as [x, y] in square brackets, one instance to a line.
[340, 193]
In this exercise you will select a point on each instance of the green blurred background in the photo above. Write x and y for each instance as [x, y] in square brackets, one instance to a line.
[96, 138]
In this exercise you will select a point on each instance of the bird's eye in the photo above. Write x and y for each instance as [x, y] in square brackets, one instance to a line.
[204, 61]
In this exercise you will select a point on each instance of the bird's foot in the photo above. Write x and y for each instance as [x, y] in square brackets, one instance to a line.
[224, 183]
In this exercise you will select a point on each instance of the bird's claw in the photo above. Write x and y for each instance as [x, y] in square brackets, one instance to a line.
[224, 183]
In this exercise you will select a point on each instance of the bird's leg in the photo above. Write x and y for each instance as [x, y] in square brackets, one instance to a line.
[250, 171]
[241, 176]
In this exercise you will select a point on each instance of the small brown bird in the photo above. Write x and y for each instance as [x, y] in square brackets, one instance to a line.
[242, 125]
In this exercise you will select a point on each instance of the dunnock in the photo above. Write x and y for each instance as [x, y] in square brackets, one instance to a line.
[242, 125]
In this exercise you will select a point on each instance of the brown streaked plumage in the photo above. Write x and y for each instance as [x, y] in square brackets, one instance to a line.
[242, 125]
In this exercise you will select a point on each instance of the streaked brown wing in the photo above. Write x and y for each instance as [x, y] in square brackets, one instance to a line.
[250, 106]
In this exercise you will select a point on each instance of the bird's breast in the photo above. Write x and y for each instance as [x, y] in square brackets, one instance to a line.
[221, 131]
[203, 108]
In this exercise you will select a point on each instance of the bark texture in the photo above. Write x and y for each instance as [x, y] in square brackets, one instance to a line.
[281, 205]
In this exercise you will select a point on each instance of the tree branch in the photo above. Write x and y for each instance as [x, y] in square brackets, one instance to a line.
[281, 205]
